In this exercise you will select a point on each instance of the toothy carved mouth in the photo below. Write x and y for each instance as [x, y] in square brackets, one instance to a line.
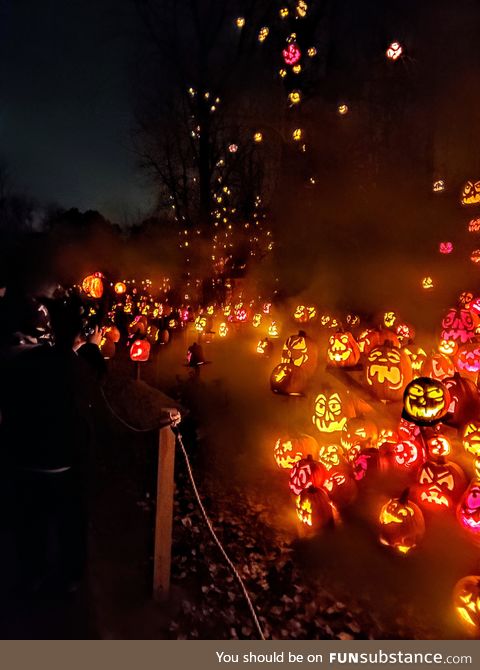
[456, 335]
[331, 427]
[432, 496]
[471, 523]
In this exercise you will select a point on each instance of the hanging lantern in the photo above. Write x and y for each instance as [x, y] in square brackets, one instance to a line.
[92, 285]
[140, 351]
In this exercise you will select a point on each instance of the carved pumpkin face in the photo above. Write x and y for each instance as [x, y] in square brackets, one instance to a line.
[290, 450]
[427, 283]
[112, 333]
[439, 445]
[295, 351]
[458, 325]
[273, 330]
[466, 600]
[448, 347]
[256, 320]
[445, 247]
[287, 379]
[223, 330]
[292, 54]
[363, 461]
[438, 186]
[405, 332]
[468, 511]
[394, 51]
[402, 525]
[465, 298]
[440, 484]
[389, 319]
[425, 401]
[340, 486]
[438, 366]
[306, 473]
[140, 351]
[359, 431]
[92, 285]
[264, 347]
[304, 313]
[331, 410]
[467, 358]
[417, 357]
[200, 324]
[313, 508]
[388, 370]
[471, 438]
[330, 455]
[342, 350]
[353, 320]
[471, 193]
[120, 288]
[474, 226]
[464, 401]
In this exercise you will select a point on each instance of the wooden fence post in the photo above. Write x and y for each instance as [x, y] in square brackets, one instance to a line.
[164, 515]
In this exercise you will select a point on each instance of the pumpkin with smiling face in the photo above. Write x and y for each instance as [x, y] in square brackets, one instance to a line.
[289, 450]
[448, 347]
[331, 410]
[467, 358]
[470, 193]
[342, 350]
[387, 371]
[402, 525]
[425, 401]
[458, 325]
[471, 438]
[330, 455]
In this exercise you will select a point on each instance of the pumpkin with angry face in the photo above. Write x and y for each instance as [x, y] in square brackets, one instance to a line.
[440, 484]
[342, 350]
[387, 371]
[331, 410]
[458, 325]
[417, 357]
[468, 510]
[425, 401]
[471, 193]
[402, 525]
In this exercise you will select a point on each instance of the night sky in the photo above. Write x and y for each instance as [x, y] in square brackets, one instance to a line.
[65, 103]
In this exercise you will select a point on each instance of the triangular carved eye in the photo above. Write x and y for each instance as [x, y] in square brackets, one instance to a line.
[446, 480]
[426, 476]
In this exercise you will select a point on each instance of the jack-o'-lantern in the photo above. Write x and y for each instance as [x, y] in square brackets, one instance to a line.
[256, 320]
[448, 347]
[470, 193]
[407, 430]
[314, 509]
[458, 325]
[112, 333]
[389, 319]
[120, 288]
[325, 319]
[402, 525]
[273, 330]
[425, 401]
[265, 347]
[445, 247]
[468, 510]
[340, 486]
[467, 358]
[342, 109]
[290, 450]
[405, 333]
[301, 351]
[471, 438]
[152, 334]
[138, 326]
[387, 371]
[92, 285]
[359, 431]
[200, 324]
[369, 339]
[342, 350]
[353, 320]
[464, 401]
[241, 313]
[466, 600]
[223, 329]
[331, 410]
[417, 356]
[427, 283]
[465, 299]
[304, 313]
[474, 226]
[140, 351]
[287, 379]
[330, 455]
[295, 97]
[364, 462]
[438, 186]
[475, 256]
[292, 54]
[441, 484]
[438, 366]
[306, 473]
[438, 445]
[394, 51]
[404, 456]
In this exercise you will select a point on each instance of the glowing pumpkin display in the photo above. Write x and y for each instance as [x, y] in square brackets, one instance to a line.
[140, 351]
[470, 193]
[466, 600]
[290, 450]
[92, 285]
[441, 484]
[314, 509]
[387, 371]
[342, 350]
[402, 525]
[331, 410]
[306, 473]
[287, 379]
[425, 401]
[304, 313]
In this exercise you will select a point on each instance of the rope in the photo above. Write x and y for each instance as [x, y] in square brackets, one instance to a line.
[202, 509]
[217, 541]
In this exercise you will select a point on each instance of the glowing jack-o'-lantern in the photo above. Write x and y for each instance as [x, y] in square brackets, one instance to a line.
[290, 450]
[470, 193]
[401, 455]
[301, 351]
[464, 401]
[405, 333]
[465, 298]
[140, 351]
[438, 366]
[342, 350]
[265, 347]
[394, 51]
[389, 319]
[468, 510]
[112, 333]
[438, 445]
[200, 324]
[417, 356]
[425, 401]
[402, 525]
[370, 338]
[256, 320]
[440, 484]
[306, 473]
[292, 54]
[466, 600]
[314, 509]
[330, 455]
[427, 283]
[467, 358]
[387, 371]
[448, 347]
[445, 247]
[120, 288]
[223, 329]
[340, 486]
[287, 379]
[295, 97]
[471, 438]
[359, 431]
[331, 410]
[474, 226]
[273, 330]
[92, 285]
[438, 186]
[304, 313]
[475, 256]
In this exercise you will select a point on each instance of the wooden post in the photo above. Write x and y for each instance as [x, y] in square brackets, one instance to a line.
[164, 515]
